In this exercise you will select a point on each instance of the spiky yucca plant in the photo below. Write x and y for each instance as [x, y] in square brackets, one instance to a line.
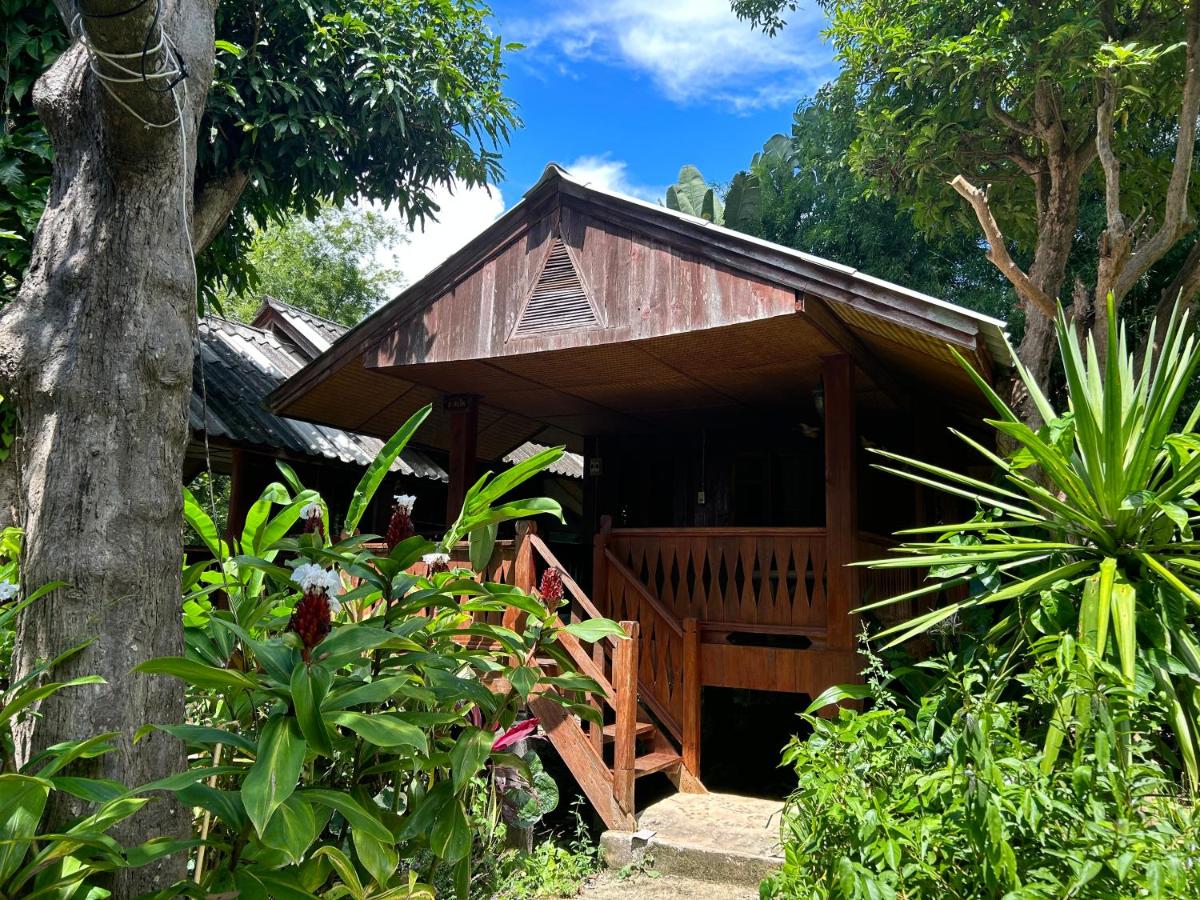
[1099, 504]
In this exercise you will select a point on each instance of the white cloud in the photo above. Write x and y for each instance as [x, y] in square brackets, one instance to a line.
[693, 50]
[607, 174]
[464, 213]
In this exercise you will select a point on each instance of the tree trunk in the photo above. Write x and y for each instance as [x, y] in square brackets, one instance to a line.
[97, 354]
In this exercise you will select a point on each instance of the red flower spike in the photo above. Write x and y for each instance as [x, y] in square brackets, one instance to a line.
[314, 523]
[400, 528]
[518, 732]
[311, 620]
[551, 589]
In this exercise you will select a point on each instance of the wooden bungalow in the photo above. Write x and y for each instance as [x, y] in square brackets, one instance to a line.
[721, 390]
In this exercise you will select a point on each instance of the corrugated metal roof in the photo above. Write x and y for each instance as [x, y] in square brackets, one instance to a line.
[317, 334]
[303, 326]
[241, 365]
[569, 465]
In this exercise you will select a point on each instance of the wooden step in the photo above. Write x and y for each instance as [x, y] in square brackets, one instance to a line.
[655, 762]
[643, 730]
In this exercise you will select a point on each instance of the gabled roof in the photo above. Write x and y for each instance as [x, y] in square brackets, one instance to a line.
[666, 286]
[991, 329]
[314, 334]
[241, 365]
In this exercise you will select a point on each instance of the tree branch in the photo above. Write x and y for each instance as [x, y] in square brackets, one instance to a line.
[215, 200]
[1184, 289]
[1008, 120]
[1108, 158]
[1176, 221]
[998, 251]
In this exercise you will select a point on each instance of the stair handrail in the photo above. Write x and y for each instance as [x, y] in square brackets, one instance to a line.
[569, 583]
[649, 599]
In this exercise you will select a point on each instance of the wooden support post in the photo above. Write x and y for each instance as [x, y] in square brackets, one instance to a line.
[624, 682]
[235, 519]
[841, 501]
[524, 571]
[600, 566]
[464, 427]
[692, 687]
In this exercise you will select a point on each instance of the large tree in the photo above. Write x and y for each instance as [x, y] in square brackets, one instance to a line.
[331, 265]
[153, 161]
[1020, 110]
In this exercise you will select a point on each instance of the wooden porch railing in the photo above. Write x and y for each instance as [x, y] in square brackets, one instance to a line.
[879, 584]
[745, 576]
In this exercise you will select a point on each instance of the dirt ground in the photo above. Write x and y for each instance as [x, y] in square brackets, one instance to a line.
[608, 886]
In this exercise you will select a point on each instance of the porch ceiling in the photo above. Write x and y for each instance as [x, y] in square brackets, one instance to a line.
[771, 364]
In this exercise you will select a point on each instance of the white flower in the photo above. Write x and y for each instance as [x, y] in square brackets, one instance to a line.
[313, 509]
[433, 559]
[406, 502]
[333, 583]
[312, 577]
[8, 590]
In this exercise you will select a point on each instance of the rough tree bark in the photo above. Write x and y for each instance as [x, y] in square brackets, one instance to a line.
[97, 354]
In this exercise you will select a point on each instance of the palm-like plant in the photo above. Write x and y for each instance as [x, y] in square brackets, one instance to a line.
[1100, 500]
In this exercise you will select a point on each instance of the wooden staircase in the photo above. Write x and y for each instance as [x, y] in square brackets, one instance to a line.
[635, 738]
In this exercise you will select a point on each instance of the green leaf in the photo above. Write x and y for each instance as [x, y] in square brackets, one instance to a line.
[202, 523]
[309, 686]
[32, 695]
[272, 778]
[383, 730]
[200, 736]
[292, 829]
[523, 679]
[380, 466]
[351, 639]
[197, 674]
[377, 857]
[345, 869]
[22, 800]
[482, 543]
[350, 810]
[451, 835]
[471, 750]
[592, 630]
[839, 693]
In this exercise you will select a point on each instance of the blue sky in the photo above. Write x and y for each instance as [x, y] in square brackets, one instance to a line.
[651, 85]
[624, 92]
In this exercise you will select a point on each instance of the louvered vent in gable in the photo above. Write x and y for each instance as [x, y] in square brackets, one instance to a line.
[559, 299]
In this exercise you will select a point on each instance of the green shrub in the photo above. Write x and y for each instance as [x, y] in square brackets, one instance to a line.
[892, 804]
[1087, 530]
[70, 861]
[343, 740]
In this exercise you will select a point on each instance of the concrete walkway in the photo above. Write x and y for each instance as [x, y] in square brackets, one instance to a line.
[715, 839]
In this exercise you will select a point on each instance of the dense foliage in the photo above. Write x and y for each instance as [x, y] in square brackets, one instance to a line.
[948, 798]
[343, 738]
[328, 266]
[313, 102]
[943, 85]
[31, 38]
[1051, 751]
[1088, 529]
